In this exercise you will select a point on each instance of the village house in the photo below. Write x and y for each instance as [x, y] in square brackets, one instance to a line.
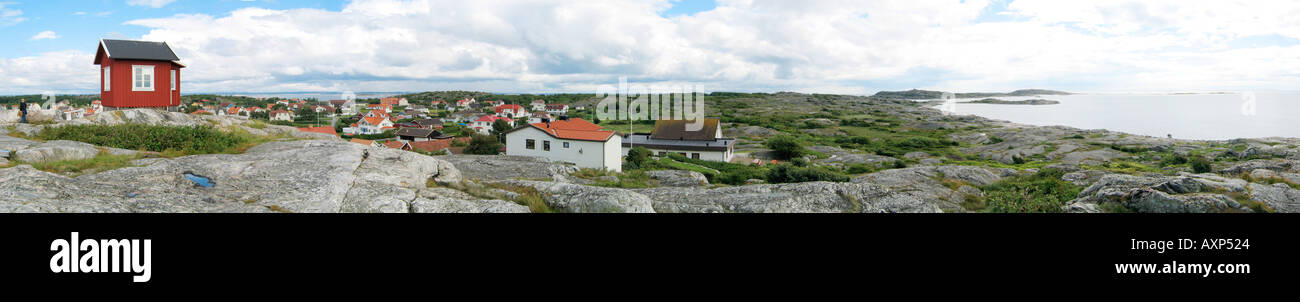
[538, 105]
[428, 123]
[394, 102]
[539, 117]
[415, 134]
[484, 123]
[281, 115]
[572, 140]
[138, 74]
[557, 109]
[511, 111]
[369, 125]
[465, 103]
[380, 107]
[431, 146]
[671, 136]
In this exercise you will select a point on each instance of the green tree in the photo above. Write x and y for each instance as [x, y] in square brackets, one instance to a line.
[636, 158]
[786, 146]
[499, 129]
[483, 145]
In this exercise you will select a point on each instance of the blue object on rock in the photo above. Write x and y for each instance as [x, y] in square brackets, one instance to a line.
[199, 180]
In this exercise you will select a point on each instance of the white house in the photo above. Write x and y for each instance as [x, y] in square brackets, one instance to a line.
[511, 111]
[539, 116]
[574, 141]
[282, 115]
[484, 123]
[557, 109]
[538, 105]
[671, 136]
[369, 125]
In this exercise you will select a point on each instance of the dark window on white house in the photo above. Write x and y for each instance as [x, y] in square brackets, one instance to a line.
[566, 145]
[695, 156]
[546, 145]
[530, 144]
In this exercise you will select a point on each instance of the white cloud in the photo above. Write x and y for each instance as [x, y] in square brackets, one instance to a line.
[9, 16]
[46, 35]
[149, 3]
[832, 45]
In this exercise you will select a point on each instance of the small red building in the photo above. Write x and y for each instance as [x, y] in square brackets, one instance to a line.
[138, 74]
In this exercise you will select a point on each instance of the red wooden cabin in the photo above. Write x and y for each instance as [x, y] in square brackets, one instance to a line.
[138, 74]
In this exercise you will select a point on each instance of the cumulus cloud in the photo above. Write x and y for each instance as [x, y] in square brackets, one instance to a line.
[840, 46]
[45, 35]
[149, 3]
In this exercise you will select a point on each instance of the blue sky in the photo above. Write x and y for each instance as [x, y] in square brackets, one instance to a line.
[830, 46]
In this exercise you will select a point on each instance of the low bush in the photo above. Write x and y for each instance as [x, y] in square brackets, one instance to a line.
[791, 173]
[1042, 192]
[200, 139]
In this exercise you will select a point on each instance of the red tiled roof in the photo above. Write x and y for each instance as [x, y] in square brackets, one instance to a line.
[373, 121]
[323, 129]
[394, 144]
[576, 129]
[431, 145]
[516, 108]
[493, 119]
[362, 141]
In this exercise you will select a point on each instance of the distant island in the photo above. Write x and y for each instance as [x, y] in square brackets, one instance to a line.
[1006, 102]
[916, 94]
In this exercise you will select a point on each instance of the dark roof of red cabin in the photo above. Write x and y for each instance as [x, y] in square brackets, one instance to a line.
[137, 50]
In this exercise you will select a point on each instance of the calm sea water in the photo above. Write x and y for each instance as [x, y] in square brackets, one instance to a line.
[1185, 116]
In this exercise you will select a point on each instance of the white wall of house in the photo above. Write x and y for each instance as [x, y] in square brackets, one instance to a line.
[723, 156]
[584, 154]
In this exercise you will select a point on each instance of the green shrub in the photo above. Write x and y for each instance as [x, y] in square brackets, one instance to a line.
[201, 139]
[483, 145]
[1173, 160]
[636, 158]
[789, 173]
[1201, 165]
[1042, 192]
[786, 146]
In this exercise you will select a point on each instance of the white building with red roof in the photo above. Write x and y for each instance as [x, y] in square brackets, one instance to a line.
[369, 125]
[484, 123]
[511, 111]
[573, 140]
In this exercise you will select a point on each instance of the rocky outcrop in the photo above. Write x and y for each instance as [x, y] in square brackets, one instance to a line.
[928, 183]
[53, 151]
[444, 200]
[574, 198]
[809, 197]
[291, 176]
[1185, 193]
[749, 131]
[678, 178]
[509, 167]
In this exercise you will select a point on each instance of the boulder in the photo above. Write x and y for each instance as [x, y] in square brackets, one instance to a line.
[509, 167]
[678, 178]
[53, 151]
[1092, 157]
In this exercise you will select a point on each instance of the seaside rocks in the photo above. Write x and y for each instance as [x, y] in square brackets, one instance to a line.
[1093, 157]
[1185, 193]
[507, 167]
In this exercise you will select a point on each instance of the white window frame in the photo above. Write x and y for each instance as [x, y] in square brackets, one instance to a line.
[138, 73]
[173, 79]
[108, 78]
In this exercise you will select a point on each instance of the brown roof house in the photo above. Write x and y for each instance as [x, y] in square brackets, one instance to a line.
[672, 136]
